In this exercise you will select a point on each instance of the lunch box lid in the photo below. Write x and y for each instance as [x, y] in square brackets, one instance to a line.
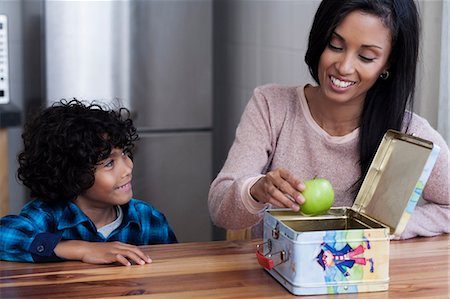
[395, 179]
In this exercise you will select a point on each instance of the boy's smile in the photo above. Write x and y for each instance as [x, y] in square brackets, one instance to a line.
[112, 186]
[125, 188]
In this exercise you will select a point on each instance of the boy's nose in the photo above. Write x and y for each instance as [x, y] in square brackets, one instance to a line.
[127, 166]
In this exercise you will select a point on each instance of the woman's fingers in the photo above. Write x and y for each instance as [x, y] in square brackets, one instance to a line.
[288, 185]
[296, 184]
[283, 200]
[279, 188]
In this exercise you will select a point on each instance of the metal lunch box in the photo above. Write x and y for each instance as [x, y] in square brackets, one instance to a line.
[346, 250]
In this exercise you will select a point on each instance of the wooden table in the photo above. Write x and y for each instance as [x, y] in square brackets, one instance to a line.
[419, 268]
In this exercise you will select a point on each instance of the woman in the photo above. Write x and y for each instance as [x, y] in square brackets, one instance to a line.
[363, 56]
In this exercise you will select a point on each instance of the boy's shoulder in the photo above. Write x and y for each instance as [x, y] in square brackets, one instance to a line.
[39, 211]
[142, 207]
[42, 206]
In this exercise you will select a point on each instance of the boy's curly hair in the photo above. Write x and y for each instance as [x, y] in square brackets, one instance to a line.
[64, 143]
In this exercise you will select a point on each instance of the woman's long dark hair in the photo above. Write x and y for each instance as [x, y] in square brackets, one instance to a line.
[387, 100]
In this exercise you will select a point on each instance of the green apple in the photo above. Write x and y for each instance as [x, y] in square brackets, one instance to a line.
[319, 197]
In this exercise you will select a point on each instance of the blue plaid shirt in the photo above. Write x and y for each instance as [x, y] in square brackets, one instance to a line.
[33, 235]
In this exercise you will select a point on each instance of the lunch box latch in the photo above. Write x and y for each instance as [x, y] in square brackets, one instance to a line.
[276, 232]
[267, 260]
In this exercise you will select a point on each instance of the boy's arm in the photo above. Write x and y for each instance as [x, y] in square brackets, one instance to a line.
[32, 236]
[28, 238]
[155, 228]
[24, 238]
[101, 252]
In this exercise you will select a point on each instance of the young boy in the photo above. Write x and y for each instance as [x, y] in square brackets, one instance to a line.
[78, 165]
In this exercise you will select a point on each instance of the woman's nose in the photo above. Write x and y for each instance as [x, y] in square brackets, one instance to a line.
[345, 65]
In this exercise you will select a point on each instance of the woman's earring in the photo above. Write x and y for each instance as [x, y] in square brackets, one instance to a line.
[384, 75]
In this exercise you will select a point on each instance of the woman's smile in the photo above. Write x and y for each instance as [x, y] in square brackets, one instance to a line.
[341, 83]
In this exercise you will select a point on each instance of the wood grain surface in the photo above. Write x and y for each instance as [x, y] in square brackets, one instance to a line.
[419, 268]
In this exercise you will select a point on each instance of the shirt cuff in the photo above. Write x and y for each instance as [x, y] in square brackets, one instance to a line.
[42, 247]
[249, 202]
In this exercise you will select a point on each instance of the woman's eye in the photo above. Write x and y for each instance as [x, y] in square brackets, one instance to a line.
[366, 59]
[334, 47]
[109, 163]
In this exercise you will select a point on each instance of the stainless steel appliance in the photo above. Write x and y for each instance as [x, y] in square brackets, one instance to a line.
[4, 68]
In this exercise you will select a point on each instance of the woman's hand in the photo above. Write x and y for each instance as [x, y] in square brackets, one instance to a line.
[101, 252]
[279, 188]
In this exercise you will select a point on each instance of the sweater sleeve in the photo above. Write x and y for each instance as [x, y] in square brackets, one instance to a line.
[248, 157]
[433, 217]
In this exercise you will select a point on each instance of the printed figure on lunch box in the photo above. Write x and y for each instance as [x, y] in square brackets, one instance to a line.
[343, 258]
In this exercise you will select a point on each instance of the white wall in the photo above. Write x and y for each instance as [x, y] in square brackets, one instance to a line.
[427, 94]
[431, 86]
[256, 42]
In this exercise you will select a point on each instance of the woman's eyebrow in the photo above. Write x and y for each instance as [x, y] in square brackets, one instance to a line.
[364, 46]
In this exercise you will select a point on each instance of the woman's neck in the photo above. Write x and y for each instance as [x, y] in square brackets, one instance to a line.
[335, 118]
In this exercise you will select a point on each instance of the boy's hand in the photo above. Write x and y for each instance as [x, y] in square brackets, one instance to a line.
[101, 252]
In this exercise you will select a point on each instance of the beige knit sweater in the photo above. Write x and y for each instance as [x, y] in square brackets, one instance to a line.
[277, 130]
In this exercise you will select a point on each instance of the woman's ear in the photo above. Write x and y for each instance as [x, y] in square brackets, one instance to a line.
[385, 75]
